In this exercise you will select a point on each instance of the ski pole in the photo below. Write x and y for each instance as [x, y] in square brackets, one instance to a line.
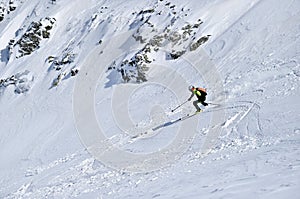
[179, 106]
[211, 103]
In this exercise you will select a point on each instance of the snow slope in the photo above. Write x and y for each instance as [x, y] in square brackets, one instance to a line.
[249, 64]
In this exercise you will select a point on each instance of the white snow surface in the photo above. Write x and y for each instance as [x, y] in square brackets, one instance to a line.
[255, 46]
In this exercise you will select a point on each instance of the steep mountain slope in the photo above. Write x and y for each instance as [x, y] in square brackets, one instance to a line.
[129, 63]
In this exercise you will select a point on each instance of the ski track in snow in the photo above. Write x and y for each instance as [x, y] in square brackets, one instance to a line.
[256, 49]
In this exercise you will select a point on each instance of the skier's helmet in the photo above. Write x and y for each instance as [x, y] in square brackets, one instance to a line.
[191, 88]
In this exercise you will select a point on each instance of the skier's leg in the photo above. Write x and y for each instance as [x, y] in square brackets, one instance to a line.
[195, 103]
[203, 103]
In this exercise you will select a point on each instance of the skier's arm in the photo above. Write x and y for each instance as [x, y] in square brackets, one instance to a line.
[191, 97]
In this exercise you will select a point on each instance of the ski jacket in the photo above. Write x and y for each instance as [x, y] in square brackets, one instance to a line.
[200, 92]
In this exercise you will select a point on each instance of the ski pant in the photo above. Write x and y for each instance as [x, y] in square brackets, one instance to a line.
[196, 102]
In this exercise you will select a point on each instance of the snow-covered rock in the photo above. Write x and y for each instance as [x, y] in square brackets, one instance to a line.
[128, 65]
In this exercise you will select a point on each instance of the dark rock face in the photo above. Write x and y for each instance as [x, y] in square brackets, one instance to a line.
[36, 32]
[175, 39]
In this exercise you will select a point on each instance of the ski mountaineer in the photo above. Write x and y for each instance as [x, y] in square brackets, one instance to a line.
[201, 95]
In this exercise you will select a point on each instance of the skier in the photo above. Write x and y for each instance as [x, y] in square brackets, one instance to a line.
[201, 95]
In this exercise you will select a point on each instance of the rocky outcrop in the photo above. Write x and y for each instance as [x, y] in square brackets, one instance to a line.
[31, 39]
[21, 82]
[174, 40]
[6, 9]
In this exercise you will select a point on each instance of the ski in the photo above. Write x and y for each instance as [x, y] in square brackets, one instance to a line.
[189, 115]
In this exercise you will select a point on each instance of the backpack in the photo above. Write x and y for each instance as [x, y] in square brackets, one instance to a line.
[202, 91]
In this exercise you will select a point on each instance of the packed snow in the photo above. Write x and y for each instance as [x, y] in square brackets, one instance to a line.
[72, 69]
